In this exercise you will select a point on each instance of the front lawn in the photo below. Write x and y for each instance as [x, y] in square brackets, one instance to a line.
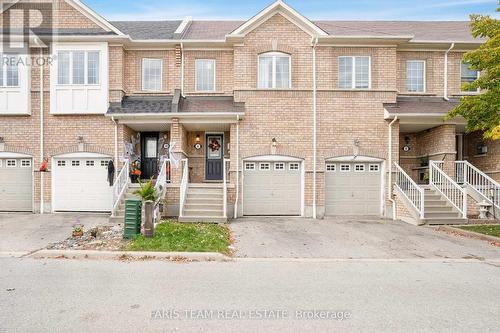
[490, 230]
[184, 237]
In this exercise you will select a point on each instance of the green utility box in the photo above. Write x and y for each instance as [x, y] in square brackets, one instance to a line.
[132, 223]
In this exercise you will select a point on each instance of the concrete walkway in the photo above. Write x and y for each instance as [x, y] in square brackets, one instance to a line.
[344, 238]
[25, 233]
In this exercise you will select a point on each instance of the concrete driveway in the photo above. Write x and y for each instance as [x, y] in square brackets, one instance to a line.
[345, 238]
[24, 233]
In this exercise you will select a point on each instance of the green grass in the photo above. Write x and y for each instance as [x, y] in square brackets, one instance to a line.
[490, 230]
[184, 237]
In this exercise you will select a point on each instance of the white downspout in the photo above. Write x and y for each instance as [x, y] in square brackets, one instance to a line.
[116, 141]
[315, 43]
[182, 69]
[237, 166]
[445, 92]
[42, 208]
[389, 185]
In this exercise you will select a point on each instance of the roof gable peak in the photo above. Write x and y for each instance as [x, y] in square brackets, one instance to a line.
[279, 7]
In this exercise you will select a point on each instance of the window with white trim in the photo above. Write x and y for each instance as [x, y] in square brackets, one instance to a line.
[75, 163]
[151, 74]
[293, 166]
[467, 75]
[205, 74]
[374, 167]
[11, 163]
[354, 72]
[9, 70]
[264, 166]
[25, 163]
[359, 168]
[104, 163]
[330, 167]
[249, 166]
[89, 163]
[61, 163]
[274, 71]
[415, 75]
[78, 67]
[279, 166]
[345, 167]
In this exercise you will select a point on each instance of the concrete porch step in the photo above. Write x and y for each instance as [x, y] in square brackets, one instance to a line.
[202, 206]
[204, 191]
[203, 212]
[202, 219]
[441, 214]
[444, 220]
[195, 196]
[205, 185]
[438, 208]
[203, 200]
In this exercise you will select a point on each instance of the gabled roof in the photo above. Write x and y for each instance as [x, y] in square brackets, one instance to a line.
[279, 7]
[93, 16]
[144, 30]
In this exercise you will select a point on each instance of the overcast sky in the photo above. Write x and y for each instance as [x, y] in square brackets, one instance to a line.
[313, 9]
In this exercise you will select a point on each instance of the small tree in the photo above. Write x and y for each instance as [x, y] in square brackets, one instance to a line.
[482, 111]
[147, 192]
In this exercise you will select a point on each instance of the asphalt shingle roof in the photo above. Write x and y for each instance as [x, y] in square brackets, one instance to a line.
[421, 105]
[148, 29]
[142, 105]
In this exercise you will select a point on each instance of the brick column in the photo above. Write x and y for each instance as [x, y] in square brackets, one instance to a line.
[178, 141]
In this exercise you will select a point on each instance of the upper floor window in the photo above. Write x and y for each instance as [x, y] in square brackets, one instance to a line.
[9, 71]
[205, 74]
[78, 67]
[354, 72]
[274, 71]
[415, 75]
[467, 75]
[151, 74]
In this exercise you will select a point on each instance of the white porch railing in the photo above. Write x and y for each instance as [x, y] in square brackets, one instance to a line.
[468, 174]
[161, 180]
[412, 192]
[184, 186]
[120, 186]
[224, 184]
[453, 192]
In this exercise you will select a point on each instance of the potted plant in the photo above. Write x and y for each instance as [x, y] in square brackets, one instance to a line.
[135, 171]
[77, 231]
[149, 195]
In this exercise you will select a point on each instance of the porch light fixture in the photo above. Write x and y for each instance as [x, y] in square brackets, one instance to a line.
[79, 138]
[197, 138]
[274, 142]
[2, 139]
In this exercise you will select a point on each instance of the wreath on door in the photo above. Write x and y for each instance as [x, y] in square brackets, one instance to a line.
[214, 145]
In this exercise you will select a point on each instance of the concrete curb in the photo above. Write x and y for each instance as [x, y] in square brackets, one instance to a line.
[129, 255]
[470, 234]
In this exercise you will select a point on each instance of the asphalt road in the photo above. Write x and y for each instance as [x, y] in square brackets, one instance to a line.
[250, 295]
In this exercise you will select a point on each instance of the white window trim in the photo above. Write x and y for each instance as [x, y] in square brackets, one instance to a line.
[196, 76]
[247, 164]
[25, 166]
[362, 165]
[85, 69]
[374, 165]
[4, 66]
[353, 74]
[348, 168]
[279, 163]
[334, 167]
[61, 163]
[464, 92]
[273, 79]
[10, 166]
[76, 163]
[290, 168]
[89, 163]
[424, 76]
[143, 76]
[265, 169]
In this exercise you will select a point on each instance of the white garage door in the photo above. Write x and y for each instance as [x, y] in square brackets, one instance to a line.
[272, 188]
[81, 185]
[353, 189]
[16, 185]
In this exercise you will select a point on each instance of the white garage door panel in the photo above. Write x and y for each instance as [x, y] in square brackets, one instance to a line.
[352, 192]
[16, 185]
[80, 186]
[272, 192]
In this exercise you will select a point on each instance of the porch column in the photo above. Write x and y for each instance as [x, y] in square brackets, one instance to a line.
[178, 142]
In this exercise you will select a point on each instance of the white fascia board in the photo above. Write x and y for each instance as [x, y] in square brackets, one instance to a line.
[353, 158]
[6, 154]
[273, 158]
[94, 16]
[81, 155]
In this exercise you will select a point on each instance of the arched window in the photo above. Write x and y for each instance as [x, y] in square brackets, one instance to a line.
[274, 71]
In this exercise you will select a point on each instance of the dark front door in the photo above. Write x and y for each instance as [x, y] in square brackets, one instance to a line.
[149, 155]
[214, 156]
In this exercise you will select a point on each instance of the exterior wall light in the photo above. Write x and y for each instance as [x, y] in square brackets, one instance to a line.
[274, 142]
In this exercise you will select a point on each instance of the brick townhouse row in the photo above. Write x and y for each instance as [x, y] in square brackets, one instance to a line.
[300, 117]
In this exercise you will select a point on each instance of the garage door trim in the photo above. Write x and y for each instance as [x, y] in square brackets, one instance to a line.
[275, 158]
